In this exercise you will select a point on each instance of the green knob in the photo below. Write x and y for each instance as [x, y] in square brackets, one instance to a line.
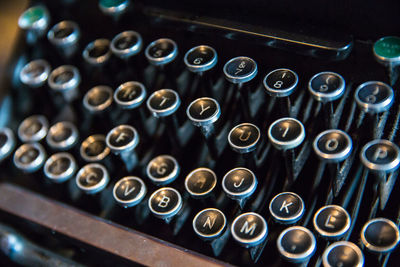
[113, 7]
[34, 18]
[387, 50]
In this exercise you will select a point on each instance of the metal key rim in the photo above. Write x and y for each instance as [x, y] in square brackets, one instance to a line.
[353, 246]
[127, 52]
[201, 67]
[337, 156]
[256, 240]
[374, 248]
[158, 61]
[280, 93]
[62, 177]
[375, 108]
[71, 84]
[293, 256]
[193, 194]
[210, 236]
[134, 201]
[70, 39]
[329, 234]
[97, 187]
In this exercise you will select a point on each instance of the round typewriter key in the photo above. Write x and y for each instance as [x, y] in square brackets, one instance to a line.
[92, 178]
[29, 157]
[35, 73]
[244, 137]
[163, 170]
[286, 133]
[296, 244]
[35, 20]
[239, 183]
[113, 7]
[94, 148]
[203, 111]
[130, 95]
[333, 145]
[161, 51]
[98, 98]
[380, 155]
[200, 58]
[286, 208]
[280, 82]
[163, 102]
[332, 221]
[344, 254]
[65, 35]
[240, 69]
[65, 79]
[129, 191]
[7, 142]
[122, 138]
[374, 97]
[380, 235]
[62, 135]
[33, 128]
[97, 52]
[60, 167]
[209, 223]
[126, 44]
[387, 50]
[249, 229]
[200, 182]
[326, 86]
[165, 202]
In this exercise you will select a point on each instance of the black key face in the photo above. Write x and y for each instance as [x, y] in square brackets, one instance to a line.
[209, 223]
[98, 50]
[240, 69]
[239, 183]
[296, 243]
[91, 177]
[35, 73]
[126, 42]
[29, 157]
[334, 145]
[94, 148]
[99, 97]
[326, 86]
[130, 94]
[62, 33]
[33, 128]
[162, 48]
[163, 102]
[204, 111]
[200, 182]
[374, 96]
[61, 134]
[280, 82]
[59, 166]
[286, 133]
[287, 207]
[165, 202]
[200, 58]
[244, 137]
[331, 221]
[380, 155]
[163, 169]
[129, 191]
[343, 254]
[249, 229]
[123, 137]
[35, 70]
[380, 235]
[64, 76]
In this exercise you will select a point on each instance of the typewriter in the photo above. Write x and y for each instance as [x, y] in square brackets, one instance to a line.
[201, 133]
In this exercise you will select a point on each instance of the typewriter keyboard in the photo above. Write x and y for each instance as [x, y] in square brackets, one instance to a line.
[241, 152]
